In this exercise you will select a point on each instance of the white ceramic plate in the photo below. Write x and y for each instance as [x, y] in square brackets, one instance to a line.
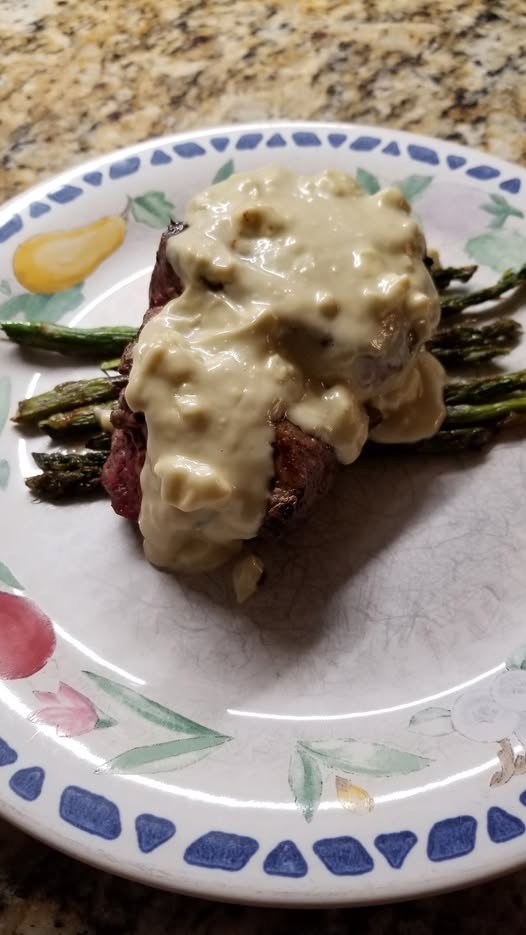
[355, 732]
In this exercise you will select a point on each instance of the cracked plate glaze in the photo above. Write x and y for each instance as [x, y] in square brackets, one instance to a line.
[354, 733]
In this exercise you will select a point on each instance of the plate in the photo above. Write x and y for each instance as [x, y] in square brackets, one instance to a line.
[354, 733]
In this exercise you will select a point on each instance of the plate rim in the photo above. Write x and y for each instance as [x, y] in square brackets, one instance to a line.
[23, 198]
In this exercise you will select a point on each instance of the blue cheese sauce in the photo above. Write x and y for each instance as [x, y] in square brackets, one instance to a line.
[303, 297]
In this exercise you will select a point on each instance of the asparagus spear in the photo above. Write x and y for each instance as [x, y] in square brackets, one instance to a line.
[469, 334]
[74, 423]
[470, 357]
[112, 364]
[443, 276]
[70, 395]
[466, 414]
[58, 461]
[67, 474]
[68, 484]
[466, 343]
[74, 342]
[450, 305]
[485, 389]
[446, 441]
[99, 442]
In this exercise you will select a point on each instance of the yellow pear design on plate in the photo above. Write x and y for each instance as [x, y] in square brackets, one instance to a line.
[352, 797]
[58, 260]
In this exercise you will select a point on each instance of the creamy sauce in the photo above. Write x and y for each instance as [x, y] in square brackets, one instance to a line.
[303, 297]
[103, 417]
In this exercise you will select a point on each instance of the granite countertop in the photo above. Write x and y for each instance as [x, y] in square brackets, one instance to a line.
[81, 79]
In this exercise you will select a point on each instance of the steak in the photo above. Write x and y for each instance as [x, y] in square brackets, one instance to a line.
[121, 474]
[304, 466]
[304, 469]
[165, 283]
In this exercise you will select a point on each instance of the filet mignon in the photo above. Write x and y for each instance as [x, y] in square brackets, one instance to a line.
[304, 466]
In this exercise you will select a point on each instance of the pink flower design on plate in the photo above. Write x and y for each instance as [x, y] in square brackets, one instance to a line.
[27, 637]
[71, 712]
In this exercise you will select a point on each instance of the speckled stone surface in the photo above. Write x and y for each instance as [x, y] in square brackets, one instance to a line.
[82, 78]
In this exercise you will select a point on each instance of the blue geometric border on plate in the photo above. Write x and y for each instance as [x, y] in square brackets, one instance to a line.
[448, 839]
[365, 143]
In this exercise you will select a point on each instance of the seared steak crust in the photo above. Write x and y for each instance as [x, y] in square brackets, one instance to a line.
[121, 474]
[304, 469]
[165, 283]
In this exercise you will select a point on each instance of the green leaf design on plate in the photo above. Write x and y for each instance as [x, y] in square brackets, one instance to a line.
[152, 209]
[25, 306]
[368, 182]
[31, 306]
[4, 473]
[224, 172]
[104, 721]
[414, 185]
[434, 722]
[305, 781]
[7, 577]
[357, 756]
[5, 400]
[163, 757]
[5, 288]
[517, 659]
[500, 250]
[501, 210]
[151, 710]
